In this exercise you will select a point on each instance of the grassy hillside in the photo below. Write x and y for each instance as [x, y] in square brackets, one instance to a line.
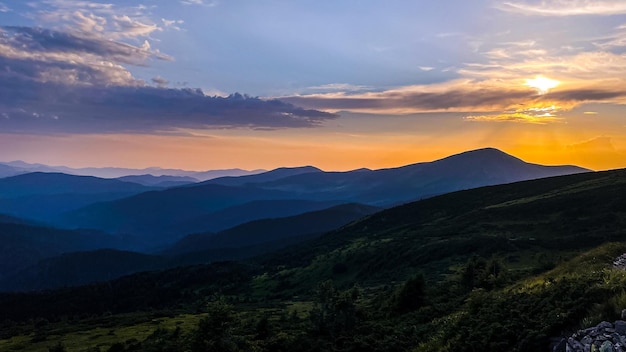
[501, 268]
[273, 230]
[23, 244]
[553, 216]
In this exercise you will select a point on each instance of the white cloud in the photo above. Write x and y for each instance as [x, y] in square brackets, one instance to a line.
[207, 3]
[338, 87]
[129, 27]
[174, 24]
[565, 7]
[106, 20]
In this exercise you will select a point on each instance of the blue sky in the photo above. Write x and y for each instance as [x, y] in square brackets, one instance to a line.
[339, 84]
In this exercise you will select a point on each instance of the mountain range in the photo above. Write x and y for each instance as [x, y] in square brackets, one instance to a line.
[13, 168]
[42, 196]
[222, 218]
[161, 215]
[500, 268]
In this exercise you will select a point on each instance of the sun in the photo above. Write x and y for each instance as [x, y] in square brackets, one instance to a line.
[542, 84]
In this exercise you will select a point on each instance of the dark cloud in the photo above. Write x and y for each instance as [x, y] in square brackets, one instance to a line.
[584, 95]
[467, 98]
[55, 56]
[72, 73]
[160, 82]
[415, 101]
[35, 107]
[48, 42]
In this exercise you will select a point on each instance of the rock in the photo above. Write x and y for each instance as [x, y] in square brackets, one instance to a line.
[575, 345]
[604, 337]
[620, 327]
[607, 346]
[561, 346]
[604, 325]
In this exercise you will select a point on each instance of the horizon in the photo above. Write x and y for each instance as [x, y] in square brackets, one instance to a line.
[285, 166]
[210, 85]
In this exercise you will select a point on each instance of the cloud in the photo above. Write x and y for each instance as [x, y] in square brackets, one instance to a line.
[494, 100]
[583, 95]
[53, 56]
[338, 87]
[461, 96]
[207, 3]
[614, 40]
[4, 8]
[538, 113]
[514, 117]
[174, 24]
[46, 44]
[561, 8]
[56, 81]
[160, 82]
[128, 27]
[42, 108]
[109, 21]
[498, 84]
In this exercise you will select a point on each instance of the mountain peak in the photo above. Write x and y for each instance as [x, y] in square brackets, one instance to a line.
[297, 169]
[268, 176]
[484, 152]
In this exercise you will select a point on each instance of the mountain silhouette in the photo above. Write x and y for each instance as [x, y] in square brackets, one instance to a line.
[156, 215]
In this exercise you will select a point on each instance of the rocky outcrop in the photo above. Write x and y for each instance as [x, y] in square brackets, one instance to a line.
[604, 337]
[620, 262]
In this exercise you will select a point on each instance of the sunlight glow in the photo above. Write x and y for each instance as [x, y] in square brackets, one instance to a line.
[542, 84]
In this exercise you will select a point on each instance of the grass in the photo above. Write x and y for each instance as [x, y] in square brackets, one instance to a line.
[101, 337]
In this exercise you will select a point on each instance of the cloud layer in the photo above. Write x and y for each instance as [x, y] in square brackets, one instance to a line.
[503, 101]
[77, 81]
[561, 8]
[58, 108]
[587, 67]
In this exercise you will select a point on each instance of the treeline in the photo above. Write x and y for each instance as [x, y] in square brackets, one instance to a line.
[174, 288]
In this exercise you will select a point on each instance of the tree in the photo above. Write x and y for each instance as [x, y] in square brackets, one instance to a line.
[411, 295]
[334, 312]
[480, 273]
[214, 333]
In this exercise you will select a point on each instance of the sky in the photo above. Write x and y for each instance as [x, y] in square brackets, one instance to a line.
[216, 84]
